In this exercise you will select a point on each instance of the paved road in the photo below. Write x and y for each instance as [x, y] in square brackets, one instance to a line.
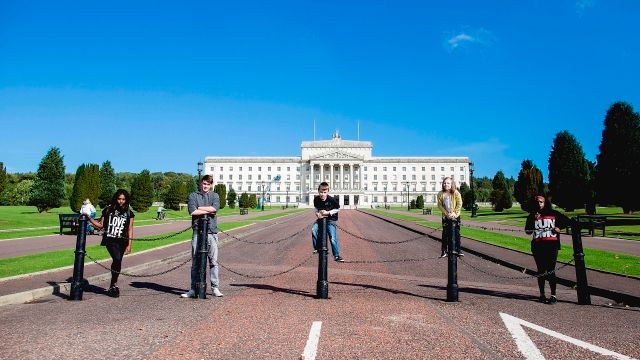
[377, 309]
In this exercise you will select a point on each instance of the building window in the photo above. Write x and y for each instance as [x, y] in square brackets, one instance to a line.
[404, 168]
[462, 168]
[259, 177]
[268, 177]
[259, 168]
[441, 168]
[424, 177]
[433, 168]
[230, 168]
[404, 177]
[375, 199]
[221, 177]
[452, 168]
[461, 177]
[269, 168]
[395, 198]
[375, 177]
[221, 168]
[278, 168]
[240, 168]
[375, 168]
[365, 168]
[230, 176]
[250, 168]
[249, 176]
[413, 168]
[211, 168]
[394, 168]
[240, 178]
[433, 177]
[384, 177]
[413, 177]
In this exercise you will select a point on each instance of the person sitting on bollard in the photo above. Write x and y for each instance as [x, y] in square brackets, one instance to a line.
[88, 208]
[204, 202]
[326, 207]
[117, 221]
[545, 225]
[450, 203]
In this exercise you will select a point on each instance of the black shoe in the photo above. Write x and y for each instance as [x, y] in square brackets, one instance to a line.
[460, 254]
[552, 300]
[443, 255]
[114, 292]
[315, 251]
[543, 299]
[339, 258]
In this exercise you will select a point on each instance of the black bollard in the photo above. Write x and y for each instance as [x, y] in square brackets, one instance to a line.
[452, 273]
[201, 284]
[78, 283]
[582, 286]
[322, 286]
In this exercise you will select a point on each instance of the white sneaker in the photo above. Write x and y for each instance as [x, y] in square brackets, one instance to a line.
[189, 294]
[216, 292]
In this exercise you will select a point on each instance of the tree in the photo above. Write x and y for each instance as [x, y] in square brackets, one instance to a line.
[3, 177]
[142, 192]
[253, 201]
[618, 162]
[48, 191]
[231, 199]
[86, 186]
[176, 194]
[500, 196]
[568, 172]
[221, 190]
[420, 202]
[107, 184]
[467, 196]
[17, 194]
[529, 183]
[244, 200]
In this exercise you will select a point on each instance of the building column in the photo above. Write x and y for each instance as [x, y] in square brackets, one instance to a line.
[310, 176]
[351, 176]
[342, 176]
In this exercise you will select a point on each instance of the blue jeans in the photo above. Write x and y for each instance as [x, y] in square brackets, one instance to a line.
[212, 246]
[333, 235]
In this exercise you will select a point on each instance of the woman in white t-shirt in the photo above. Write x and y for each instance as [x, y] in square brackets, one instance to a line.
[450, 203]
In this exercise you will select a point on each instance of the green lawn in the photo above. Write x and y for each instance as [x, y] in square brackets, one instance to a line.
[618, 225]
[594, 258]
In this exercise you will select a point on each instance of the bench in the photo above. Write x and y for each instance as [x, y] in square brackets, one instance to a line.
[426, 211]
[591, 223]
[70, 221]
[244, 211]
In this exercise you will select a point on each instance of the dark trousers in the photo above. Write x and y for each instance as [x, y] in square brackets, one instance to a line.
[116, 250]
[450, 228]
[545, 253]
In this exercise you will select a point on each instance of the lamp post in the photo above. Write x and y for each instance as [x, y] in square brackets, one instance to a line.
[287, 199]
[407, 184]
[473, 192]
[385, 196]
[200, 168]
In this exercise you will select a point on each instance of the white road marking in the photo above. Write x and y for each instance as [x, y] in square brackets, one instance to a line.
[311, 349]
[529, 349]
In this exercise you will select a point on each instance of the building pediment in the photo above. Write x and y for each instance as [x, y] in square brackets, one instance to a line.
[337, 155]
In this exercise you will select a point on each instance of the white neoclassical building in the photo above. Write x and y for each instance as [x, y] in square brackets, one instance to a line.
[355, 176]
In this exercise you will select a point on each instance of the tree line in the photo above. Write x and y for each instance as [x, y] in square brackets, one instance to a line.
[574, 181]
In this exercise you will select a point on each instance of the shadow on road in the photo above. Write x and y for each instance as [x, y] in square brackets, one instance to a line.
[494, 293]
[393, 291]
[157, 287]
[275, 289]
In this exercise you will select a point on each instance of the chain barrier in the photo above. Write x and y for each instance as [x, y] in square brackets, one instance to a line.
[164, 237]
[136, 275]
[389, 261]
[266, 242]
[380, 242]
[251, 276]
[524, 270]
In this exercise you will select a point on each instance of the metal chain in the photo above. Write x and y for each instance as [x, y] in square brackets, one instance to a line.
[388, 261]
[165, 236]
[136, 275]
[267, 242]
[517, 277]
[251, 276]
[380, 242]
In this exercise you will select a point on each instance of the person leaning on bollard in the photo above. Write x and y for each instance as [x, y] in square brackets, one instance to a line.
[117, 221]
[326, 207]
[545, 225]
[450, 203]
[204, 202]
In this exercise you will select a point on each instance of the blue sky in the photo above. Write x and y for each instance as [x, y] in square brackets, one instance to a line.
[159, 85]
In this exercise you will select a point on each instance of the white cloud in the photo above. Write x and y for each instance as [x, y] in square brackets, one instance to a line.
[467, 38]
